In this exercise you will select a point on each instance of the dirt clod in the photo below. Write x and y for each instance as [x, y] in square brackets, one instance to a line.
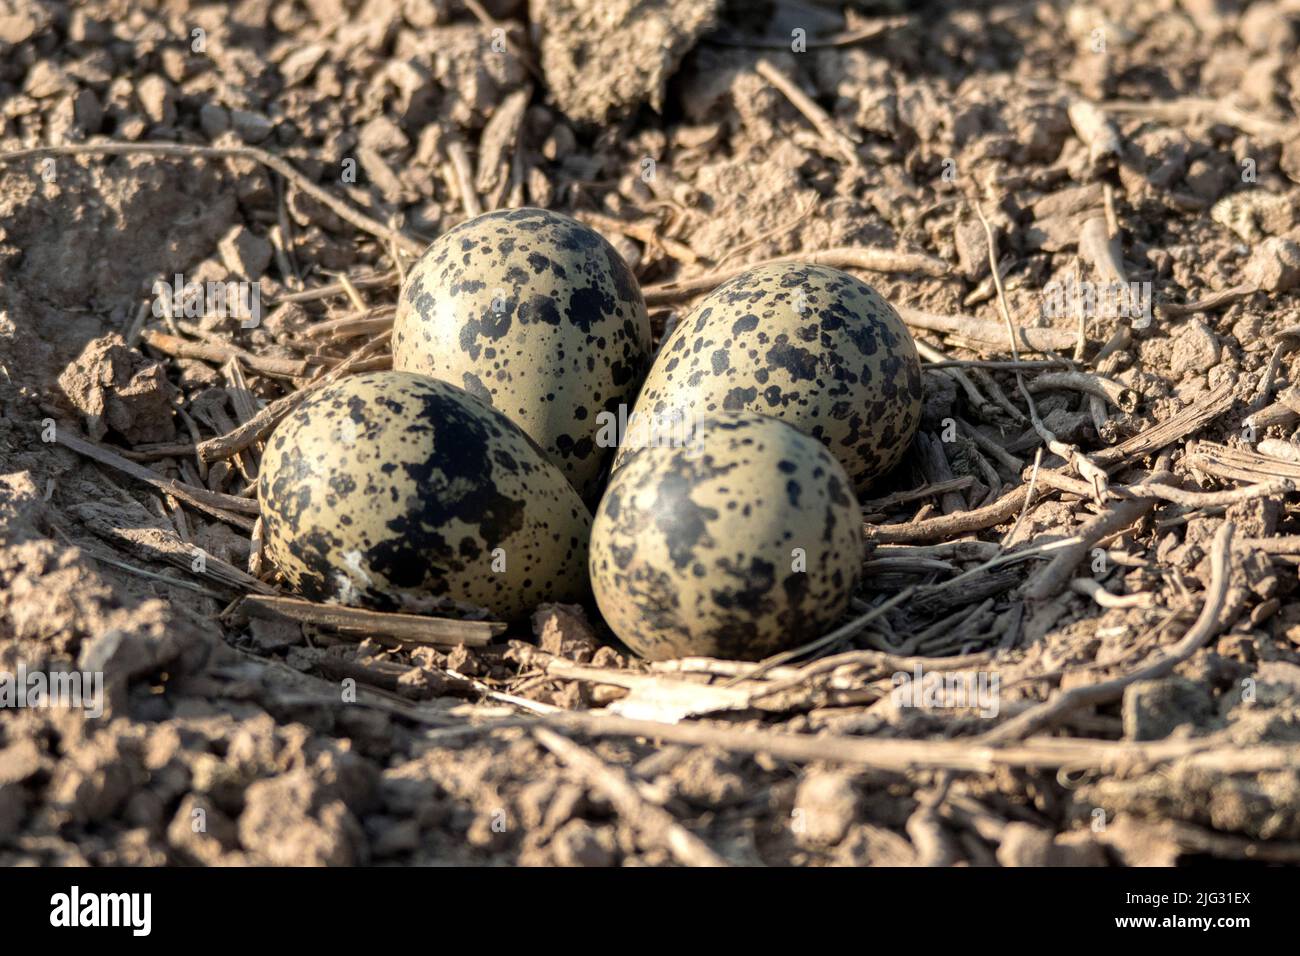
[244, 253]
[117, 388]
[602, 60]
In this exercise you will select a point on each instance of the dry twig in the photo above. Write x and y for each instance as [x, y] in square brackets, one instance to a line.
[1077, 459]
[220, 354]
[407, 628]
[849, 257]
[229, 508]
[1045, 753]
[837, 141]
[987, 333]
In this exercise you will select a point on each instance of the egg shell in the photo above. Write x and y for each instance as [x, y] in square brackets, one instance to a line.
[537, 315]
[742, 543]
[810, 345]
[389, 489]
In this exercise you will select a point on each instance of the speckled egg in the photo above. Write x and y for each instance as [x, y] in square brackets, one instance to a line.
[810, 345]
[390, 490]
[537, 315]
[743, 542]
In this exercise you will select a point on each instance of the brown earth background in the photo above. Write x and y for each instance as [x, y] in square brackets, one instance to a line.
[1149, 706]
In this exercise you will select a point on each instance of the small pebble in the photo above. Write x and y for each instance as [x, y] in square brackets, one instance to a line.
[155, 95]
[214, 120]
[824, 808]
[1196, 349]
[578, 843]
[251, 127]
[1275, 265]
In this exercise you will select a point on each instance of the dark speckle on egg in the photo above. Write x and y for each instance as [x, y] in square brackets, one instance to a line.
[738, 544]
[810, 345]
[534, 313]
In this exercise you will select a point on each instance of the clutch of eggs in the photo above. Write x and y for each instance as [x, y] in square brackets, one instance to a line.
[462, 472]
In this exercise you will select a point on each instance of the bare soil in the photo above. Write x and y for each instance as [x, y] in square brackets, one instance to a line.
[232, 737]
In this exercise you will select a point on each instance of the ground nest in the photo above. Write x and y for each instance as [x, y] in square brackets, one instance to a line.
[1074, 642]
